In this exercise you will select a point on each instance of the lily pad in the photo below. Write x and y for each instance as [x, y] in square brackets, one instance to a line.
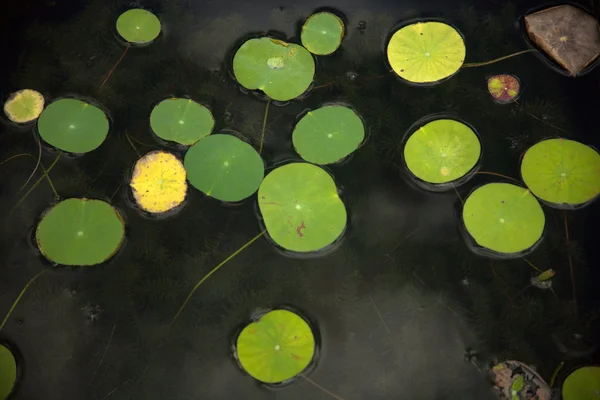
[583, 383]
[181, 120]
[442, 151]
[158, 182]
[562, 172]
[283, 71]
[504, 88]
[8, 372]
[301, 208]
[328, 134]
[569, 35]
[503, 218]
[80, 232]
[73, 125]
[224, 167]
[138, 26]
[426, 52]
[277, 347]
[24, 106]
[322, 33]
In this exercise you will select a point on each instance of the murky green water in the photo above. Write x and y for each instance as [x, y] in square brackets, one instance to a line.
[401, 304]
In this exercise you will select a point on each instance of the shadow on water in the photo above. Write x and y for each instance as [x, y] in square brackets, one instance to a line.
[404, 308]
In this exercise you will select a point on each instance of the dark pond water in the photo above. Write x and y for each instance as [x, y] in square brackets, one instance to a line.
[404, 309]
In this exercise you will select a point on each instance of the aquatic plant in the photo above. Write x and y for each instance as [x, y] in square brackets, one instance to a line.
[504, 88]
[322, 33]
[24, 106]
[8, 372]
[583, 383]
[183, 121]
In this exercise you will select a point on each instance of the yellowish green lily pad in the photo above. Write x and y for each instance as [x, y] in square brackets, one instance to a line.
[283, 71]
[301, 208]
[159, 182]
[442, 151]
[503, 218]
[224, 167]
[8, 372]
[181, 120]
[73, 125]
[583, 383]
[322, 33]
[277, 347]
[328, 134]
[562, 172]
[426, 52]
[80, 232]
[24, 106]
[138, 26]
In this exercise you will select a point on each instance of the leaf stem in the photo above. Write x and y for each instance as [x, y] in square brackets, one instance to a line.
[306, 378]
[110, 71]
[42, 165]
[19, 297]
[262, 135]
[531, 265]
[496, 174]
[480, 64]
[570, 260]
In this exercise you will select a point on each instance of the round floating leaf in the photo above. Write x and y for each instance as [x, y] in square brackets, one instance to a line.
[24, 106]
[562, 172]
[426, 52]
[301, 208]
[504, 88]
[8, 372]
[277, 347]
[158, 182]
[328, 134]
[442, 151]
[503, 218]
[138, 26]
[322, 33]
[282, 70]
[583, 383]
[181, 120]
[80, 232]
[224, 167]
[73, 125]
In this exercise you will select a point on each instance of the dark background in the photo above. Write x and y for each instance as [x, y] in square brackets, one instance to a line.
[404, 309]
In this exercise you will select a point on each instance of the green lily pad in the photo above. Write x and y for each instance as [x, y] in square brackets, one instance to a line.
[138, 26]
[8, 372]
[562, 172]
[277, 347]
[282, 70]
[224, 167]
[322, 33]
[328, 134]
[301, 208]
[73, 125]
[583, 383]
[426, 52]
[181, 120]
[442, 151]
[504, 218]
[80, 232]
[24, 106]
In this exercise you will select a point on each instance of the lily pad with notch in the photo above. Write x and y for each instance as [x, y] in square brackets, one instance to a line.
[24, 106]
[564, 173]
[504, 219]
[328, 134]
[426, 52]
[322, 33]
[73, 125]
[283, 71]
[442, 151]
[301, 208]
[138, 26]
[159, 182]
[80, 232]
[183, 121]
[224, 167]
[8, 372]
[504, 88]
[277, 347]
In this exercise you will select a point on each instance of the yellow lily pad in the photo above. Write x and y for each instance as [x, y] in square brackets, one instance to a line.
[24, 106]
[159, 182]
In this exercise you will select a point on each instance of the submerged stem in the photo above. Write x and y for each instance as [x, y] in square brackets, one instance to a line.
[110, 71]
[215, 269]
[531, 265]
[132, 145]
[42, 165]
[480, 64]
[262, 135]
[19, 297]
[570, 260]
[37, 164]
[306, 378]
[496, 174]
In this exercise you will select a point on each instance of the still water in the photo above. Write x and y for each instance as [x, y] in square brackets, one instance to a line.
[403, 308]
